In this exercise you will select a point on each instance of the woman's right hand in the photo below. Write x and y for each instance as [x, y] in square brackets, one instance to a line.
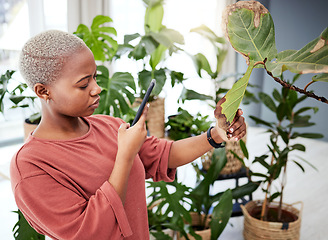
[130, 139]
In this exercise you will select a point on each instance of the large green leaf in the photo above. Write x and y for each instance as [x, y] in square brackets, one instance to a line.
[249, 28]
[228, 105]
[117, 92]
[170, 203]
[154, 16]
[312, 58]
[221, 215]
[146, 76]
[200, 194]
[23, 231]
[99, 38]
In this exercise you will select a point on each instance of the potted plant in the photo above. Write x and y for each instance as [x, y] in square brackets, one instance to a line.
[118, 89]
[193, 212]
[266, 218]
[20, 97]
[183, 125]
[243, 27]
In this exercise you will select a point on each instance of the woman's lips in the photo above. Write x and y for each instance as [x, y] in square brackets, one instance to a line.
[95, 104]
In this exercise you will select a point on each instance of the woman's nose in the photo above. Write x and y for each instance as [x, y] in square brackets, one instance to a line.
[96, 90]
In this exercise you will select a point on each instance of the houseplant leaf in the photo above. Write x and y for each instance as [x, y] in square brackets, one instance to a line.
[249, 28]
[154, 15]
[188, 94]
[146, 76]
[22, 230]
[117, 92]
[227, 107]
[221, 214]
[99, 38]
[3, 86]
[312, 58]
[200, 194]
[322, 77]
[208, 33]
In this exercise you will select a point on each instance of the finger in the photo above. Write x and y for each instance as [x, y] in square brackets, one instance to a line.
[143, 116]
[236, 118]
[124, 126]
[238, 133]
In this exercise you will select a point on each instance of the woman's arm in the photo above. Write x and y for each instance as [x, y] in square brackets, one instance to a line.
[130, 140]
[187, 150]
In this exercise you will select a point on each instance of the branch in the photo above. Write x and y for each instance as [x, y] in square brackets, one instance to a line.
[292, 87]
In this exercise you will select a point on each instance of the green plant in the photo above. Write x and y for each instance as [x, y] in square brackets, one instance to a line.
[249, 28]
[185, 200]
[22, 230]
[183, 124]
[118, 90]
[19, 96]
[152, 48]
[289, 117]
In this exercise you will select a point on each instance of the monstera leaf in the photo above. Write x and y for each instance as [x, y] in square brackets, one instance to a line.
[117, 92]
[98, 38]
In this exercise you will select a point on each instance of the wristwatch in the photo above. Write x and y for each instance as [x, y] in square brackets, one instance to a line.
[211, 141]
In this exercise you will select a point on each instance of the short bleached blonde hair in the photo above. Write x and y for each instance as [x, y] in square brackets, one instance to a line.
[44, 55]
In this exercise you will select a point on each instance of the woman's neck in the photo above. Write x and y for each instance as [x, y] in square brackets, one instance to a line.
[61, 128]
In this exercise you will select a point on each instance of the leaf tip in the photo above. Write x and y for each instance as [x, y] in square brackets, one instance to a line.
[221, 118]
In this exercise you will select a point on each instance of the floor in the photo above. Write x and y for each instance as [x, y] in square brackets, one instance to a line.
[309, 187]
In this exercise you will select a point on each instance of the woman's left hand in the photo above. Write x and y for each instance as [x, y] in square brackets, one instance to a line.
[236, 130]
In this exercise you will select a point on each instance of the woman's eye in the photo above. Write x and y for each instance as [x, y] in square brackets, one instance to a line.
[95, 76]
[84, 87]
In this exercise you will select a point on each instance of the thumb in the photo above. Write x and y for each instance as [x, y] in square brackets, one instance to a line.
[124, 126]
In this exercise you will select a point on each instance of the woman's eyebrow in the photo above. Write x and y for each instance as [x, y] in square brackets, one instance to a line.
[86, 77]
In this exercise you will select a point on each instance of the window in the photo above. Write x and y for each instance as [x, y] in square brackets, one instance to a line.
[19, 20]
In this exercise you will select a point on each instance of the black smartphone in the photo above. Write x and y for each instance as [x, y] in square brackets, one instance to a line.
[144, 101]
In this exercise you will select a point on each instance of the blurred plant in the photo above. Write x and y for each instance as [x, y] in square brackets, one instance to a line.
[174, 201]
[118, 90]
[283, 141]
[183, 125]
[20, 96]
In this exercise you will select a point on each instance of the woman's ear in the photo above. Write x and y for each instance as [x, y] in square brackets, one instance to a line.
[42, 91]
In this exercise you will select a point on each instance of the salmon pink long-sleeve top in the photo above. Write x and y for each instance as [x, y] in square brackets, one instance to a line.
[62, 188]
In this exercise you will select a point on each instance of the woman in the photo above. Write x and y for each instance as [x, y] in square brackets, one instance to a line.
[82, 176]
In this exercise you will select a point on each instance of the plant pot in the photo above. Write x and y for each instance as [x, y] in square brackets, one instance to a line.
[28, 128]
[156, 118]
[197, 220]
[233, 164]
[255, 229]
[207, 159]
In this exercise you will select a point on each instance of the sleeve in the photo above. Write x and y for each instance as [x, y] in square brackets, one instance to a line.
[62, 213]
[154, 154]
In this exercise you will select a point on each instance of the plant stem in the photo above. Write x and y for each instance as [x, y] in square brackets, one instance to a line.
[292, 87]
[308, 85]
[281, 196]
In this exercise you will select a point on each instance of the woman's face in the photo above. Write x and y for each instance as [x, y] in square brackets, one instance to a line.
[75, 93]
